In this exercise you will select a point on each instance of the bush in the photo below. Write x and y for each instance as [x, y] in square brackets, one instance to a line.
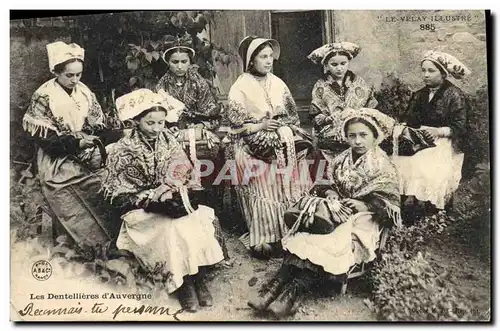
[411, 290]
[393, 96]
[405, 286]
[477, 145]
[472, 209]
[411, 239]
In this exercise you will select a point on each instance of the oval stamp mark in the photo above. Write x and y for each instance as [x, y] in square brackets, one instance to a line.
[41, 270]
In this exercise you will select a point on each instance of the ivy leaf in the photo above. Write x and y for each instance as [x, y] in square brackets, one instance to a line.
[59, 250]
[132, 81]
[149, 57]
[133, 64]
[118, 266]
[63, 239]
[105, 276]
[182, 18]
[191, 13]
[168, 38]
[69, 254]
[156, 55]
[79, 269]
[175, 21]
[201, 21]
[155, 44]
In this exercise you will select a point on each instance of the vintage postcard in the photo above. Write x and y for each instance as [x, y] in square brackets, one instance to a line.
[250, 165]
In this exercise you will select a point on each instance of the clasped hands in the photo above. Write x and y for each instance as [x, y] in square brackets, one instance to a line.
[354, 204]
[162, 193]
[85, 140]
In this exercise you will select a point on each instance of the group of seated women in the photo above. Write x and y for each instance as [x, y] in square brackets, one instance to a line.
[150, 176]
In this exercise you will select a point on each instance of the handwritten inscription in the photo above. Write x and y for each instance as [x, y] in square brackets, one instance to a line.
[100, 307]
[146, 309]
[30, 310]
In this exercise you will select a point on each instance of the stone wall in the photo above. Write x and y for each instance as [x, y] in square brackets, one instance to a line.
[393, 41]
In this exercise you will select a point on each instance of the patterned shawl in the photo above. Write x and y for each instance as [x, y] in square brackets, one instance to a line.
[195, 93]
[329, 99]
[373, 173]
[52, 108]
[134, 165]
[250, 102]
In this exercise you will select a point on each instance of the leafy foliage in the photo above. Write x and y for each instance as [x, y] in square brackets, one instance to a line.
[411, 239]
[409, 289]
[472, 209]
[405, 286]
[393, 96]
[477, 144]
[127, 48]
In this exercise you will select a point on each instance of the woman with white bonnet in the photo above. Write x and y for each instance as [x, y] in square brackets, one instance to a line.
[150, 179]
[65, 119]
[265, 131]
[440, 110]
[339, 89]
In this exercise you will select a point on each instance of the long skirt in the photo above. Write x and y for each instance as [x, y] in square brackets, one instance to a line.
[264, 195]
[352, 242]
[72, 192]
[432, 174]
[176, 247]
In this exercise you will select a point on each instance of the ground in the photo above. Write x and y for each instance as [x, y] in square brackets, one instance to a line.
[232, 283]
[469, 272]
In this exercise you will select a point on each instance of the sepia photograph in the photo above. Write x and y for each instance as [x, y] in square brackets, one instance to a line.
[250, 165]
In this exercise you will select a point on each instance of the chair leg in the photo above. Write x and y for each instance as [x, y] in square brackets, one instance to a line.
[343, 289]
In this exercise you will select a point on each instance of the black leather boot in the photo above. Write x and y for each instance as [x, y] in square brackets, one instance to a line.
[267, 294]
[284, 303]
[204, 296]
[187, 295]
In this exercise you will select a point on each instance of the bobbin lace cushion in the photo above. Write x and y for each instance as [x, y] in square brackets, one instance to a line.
[203, 142]
[263, 144]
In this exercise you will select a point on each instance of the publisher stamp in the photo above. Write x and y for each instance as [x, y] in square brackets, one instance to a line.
[41, 270]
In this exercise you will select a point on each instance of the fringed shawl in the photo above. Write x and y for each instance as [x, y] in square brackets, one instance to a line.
[134, 165]
[329, 100]
[372, 174]
[196, 95]
[52, 108]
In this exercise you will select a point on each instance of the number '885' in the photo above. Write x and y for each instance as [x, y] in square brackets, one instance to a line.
[429, 27]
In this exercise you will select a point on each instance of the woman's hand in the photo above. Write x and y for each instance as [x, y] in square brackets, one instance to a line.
[270, 124]
[142, 197]
[86, 140]
[433, 133]
[160, 191]
[331, 195]
[86, 143]
[356, 205]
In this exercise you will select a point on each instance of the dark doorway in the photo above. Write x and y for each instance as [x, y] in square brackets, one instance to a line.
[298, 33]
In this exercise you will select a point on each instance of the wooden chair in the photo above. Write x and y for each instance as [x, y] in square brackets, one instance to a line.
[358, 270]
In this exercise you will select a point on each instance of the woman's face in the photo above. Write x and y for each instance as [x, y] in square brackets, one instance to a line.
[179, 63]
[337, 66]
[430, 74]
[263, 61]
[71, 74]
[360, 138]
[152, 124]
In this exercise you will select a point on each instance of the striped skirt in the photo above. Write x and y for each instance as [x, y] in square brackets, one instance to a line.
[264, 194]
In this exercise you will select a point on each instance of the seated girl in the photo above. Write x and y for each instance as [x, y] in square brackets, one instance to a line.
[363, 192]
[148, 176]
